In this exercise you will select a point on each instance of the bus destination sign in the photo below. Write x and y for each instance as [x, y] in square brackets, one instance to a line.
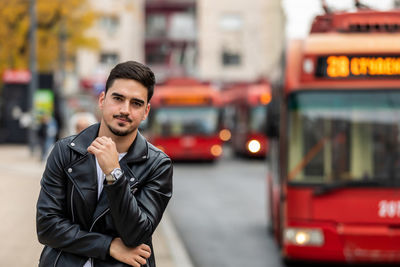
[186, 101]
[345, 66]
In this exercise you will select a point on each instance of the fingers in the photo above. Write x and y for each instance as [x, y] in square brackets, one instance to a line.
[140, 260]
[100, 144]
[145, 248]
[103, 141]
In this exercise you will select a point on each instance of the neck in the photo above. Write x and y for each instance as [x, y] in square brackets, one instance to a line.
[122, 142]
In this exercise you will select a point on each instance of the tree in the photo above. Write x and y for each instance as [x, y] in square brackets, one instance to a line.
[61, 30]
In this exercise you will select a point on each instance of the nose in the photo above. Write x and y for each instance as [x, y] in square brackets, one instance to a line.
[124, 109]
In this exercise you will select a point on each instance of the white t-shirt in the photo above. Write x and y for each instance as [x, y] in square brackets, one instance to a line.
[100, 180]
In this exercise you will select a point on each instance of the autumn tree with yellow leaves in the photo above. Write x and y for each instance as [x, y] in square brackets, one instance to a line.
[61, 26]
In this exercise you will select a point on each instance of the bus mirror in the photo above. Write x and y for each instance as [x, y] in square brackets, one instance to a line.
[272, 127]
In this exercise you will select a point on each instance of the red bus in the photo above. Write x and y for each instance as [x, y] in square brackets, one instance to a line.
[184, 120]
[334, 174]
[245, 111]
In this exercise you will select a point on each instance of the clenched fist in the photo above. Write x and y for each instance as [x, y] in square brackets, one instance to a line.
[105, 151]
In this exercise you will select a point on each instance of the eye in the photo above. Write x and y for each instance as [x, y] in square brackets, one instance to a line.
[138, 104]
[117, 98]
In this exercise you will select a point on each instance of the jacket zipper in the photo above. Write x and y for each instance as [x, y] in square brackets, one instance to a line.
[73, 219]
[72, 206]
[58, 256]
[98, 217]
[91, 228]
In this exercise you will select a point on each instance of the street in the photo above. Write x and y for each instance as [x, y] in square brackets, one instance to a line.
[220, 213]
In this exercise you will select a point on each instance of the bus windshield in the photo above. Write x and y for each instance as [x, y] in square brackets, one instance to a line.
[258, 116]
[178, 121]
[344, 136]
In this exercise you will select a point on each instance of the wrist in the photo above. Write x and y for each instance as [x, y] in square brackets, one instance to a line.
[114, 175]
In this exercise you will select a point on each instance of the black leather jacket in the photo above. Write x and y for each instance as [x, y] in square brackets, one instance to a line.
[73, 225]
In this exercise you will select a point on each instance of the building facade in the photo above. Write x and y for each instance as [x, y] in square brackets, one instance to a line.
[239, 40]
[120, 32]
[218, 41]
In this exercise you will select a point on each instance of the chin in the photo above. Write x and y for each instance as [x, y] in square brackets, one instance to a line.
[121, 131]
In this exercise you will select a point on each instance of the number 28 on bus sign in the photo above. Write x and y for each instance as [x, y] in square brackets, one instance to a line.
[344, 66]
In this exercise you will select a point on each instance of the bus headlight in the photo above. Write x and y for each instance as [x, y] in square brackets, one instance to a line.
[304, 237]
[253, 146]
[225, 135]
[216, 150]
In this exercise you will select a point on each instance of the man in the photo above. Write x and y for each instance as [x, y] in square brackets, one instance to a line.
[104, 191]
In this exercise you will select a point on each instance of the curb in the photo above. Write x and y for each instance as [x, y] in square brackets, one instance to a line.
[175, 245]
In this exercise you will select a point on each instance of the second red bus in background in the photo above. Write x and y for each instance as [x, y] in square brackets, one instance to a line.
[245, 112]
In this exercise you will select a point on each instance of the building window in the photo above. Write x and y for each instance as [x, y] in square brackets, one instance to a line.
[156, 25]
[157, 54]
[230, 58]
[109, 59]
[231, 39]
[230, 22]
[183, 26]
[109, 23]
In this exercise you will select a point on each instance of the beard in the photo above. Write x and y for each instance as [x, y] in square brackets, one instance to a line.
[121, 132]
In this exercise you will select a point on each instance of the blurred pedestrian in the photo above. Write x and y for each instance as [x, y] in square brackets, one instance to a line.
[80, 121]
[41, 134]
[47, 132]
[103, 191]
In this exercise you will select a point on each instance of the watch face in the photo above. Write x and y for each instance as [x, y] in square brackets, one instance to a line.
[117, 173]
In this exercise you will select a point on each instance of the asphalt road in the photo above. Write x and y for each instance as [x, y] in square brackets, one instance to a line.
[219, 210]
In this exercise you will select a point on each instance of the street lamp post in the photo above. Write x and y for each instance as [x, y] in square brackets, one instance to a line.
[33, 70]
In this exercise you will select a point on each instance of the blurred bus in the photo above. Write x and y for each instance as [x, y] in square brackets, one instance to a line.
[184, 120]
[334, 174]
[245, 111]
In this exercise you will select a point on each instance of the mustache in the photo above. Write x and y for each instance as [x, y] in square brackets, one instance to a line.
[124, 117]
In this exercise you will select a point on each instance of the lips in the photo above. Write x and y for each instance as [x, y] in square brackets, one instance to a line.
[122, 120]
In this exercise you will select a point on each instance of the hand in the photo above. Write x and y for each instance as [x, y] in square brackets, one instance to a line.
[106, 153]
[133, 256]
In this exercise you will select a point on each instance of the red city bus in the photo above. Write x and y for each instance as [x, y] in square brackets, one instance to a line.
[334, 174]
[245, 111]
[184, 120]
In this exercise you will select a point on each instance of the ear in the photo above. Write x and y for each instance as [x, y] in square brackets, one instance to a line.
[101, 100]
[146, 113]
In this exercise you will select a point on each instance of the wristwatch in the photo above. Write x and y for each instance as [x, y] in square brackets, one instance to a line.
[114, 175]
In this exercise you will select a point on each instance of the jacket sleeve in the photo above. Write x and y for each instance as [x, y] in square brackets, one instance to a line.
[54, 226]
[137, 216]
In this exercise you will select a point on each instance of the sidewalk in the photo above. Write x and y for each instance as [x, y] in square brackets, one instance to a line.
[19, 189]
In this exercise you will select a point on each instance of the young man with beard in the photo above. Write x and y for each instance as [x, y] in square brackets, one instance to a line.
[103, 191]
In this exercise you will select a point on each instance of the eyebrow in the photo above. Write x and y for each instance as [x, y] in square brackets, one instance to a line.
[122, 96]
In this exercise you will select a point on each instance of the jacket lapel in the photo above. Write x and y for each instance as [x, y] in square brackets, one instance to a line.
[82, 171]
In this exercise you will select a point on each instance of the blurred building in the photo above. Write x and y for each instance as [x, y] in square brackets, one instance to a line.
[171, 37]
[215, 41]
[240, 40]
[120, 32]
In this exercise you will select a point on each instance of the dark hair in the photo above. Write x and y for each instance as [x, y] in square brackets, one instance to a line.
[135, 71]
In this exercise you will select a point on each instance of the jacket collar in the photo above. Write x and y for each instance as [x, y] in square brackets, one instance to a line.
[138, 151]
